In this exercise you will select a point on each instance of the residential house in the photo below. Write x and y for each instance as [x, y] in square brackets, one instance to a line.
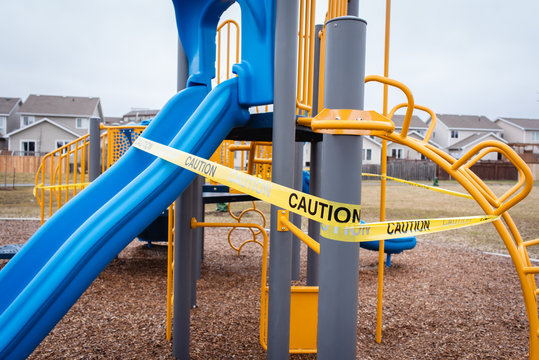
[416, 124]
[8, 118]
[522, 135]
[137, 115]
[451, 129]
[458, 149]
[49, 122]
[398, 151]
[417, 130]
[112, 120]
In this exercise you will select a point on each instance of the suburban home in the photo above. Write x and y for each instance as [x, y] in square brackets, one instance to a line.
[8, 118]
[522, 135]
[416, 124]
[398, 151]
[452, 129]
[372, 150]
[49, 122]
[458, 149]
[134, 117]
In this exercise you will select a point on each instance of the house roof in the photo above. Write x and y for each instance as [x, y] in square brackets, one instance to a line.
[107, 120]
[370, 139]
[524, 124]
[141, 113]
[474, 138]
[419, 136]
[467, 122]
[41, 122]
[7, 104]
[59, 105]
[415, 122]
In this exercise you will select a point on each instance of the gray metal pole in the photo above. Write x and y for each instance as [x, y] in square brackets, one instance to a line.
[182, 275]
[313, 263]
[182, 250]
[94, 158]
[314, 185]
[353, 7]
[284, 116]
[199, 214]
[341, 166]
[296, 218]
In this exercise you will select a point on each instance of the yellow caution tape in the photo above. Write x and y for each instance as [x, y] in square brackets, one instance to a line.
[339, 221]
[312, 207]
[398, 229]
[433, 188]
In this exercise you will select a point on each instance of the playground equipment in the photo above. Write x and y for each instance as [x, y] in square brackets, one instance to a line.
[60, 261]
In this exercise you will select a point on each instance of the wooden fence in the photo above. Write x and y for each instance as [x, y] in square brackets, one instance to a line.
[405, 169]
[19, 164]
[489, 170]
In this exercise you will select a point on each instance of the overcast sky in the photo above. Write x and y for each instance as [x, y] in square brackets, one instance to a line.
[459, 56]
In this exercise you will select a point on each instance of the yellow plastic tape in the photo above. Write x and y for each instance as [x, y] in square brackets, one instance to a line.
[433, 188]
[398, 229]
[312, 207]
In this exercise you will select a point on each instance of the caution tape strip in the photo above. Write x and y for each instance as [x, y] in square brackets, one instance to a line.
[398, 229]
[339, 221]
[433, 188]
[309, 206]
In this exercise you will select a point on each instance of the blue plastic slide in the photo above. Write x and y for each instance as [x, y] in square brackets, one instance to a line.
[56, 265]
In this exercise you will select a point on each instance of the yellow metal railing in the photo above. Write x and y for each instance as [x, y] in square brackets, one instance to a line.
[64, 172]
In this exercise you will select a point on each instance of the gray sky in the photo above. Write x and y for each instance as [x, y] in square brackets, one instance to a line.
[459, 56]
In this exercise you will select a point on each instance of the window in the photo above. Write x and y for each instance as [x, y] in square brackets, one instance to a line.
[27, 120]
[82, 123]
[534, 136]
[454, 134]
[28, 147]
[3, 120]
[367, 154]
[396, 153]
[60, 143]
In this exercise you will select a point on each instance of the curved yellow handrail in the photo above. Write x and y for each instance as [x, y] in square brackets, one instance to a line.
[406, 91]
[430, 130]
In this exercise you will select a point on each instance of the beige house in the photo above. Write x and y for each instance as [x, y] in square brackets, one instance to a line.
[452, 129]
[48, 122]
[40, 137]
[522, 135]
[8, 118]
[458, 149]
[398, 151]
[138, 115]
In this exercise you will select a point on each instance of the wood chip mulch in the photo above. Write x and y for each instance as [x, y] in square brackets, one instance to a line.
[440, 302]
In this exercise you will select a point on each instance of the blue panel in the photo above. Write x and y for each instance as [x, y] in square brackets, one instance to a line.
[197, 26]
[62, 259]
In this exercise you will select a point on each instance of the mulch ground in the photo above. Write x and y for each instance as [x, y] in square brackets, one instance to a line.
[440, 302]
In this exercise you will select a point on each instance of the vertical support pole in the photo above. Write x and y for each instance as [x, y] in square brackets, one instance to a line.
[341, 166]
[296, 218]
[182, 275]
[353, 8]
[313, 259]
[199, 214]
[182, 251]
[314, 183]
[94, 158]
[284, 116]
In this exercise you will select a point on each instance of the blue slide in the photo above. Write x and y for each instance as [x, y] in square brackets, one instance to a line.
[52, 270]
